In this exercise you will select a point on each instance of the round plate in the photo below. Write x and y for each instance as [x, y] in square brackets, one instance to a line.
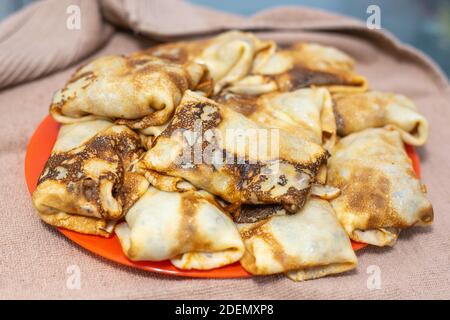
[38, 151]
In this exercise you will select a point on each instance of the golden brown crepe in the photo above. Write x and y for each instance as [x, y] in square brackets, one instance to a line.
[299, 66]
[306, 245]
[87, 183]
[223, 152]
[141, 90]
[359, 111]
[241, 63]
[305, 113]
[189, 228]
[229, 56]
[380, 193]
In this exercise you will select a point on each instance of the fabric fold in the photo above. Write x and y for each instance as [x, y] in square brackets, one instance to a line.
[46, 37]
[157, 20]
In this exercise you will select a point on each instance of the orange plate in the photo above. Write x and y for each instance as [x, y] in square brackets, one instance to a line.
[38, 151]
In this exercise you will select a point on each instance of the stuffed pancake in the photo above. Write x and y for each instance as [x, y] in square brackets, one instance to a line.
[225, 153]
[358, 111]
[299, 66]
[189, 228]
[306, 245]
[380, 193]
[88, 182]
[305, 113]
[139, 90]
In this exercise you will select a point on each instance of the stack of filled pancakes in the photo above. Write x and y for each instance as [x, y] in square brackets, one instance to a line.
[231, 149]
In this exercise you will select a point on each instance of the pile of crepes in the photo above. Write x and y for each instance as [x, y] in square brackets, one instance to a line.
[148, 149]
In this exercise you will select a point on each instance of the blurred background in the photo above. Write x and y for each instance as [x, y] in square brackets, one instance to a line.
[424, 24]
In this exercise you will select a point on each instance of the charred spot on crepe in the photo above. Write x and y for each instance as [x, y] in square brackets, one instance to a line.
[369, 191]
[365, 197]
[258, 229]
[360, 108]
[188, 114]
[254, 213]
[130, 191]
[88, 75]
[282, 181]
[340, 123]
[302, 77]
[245, 175]
[242, 103]
[190, 203]
[189, 207]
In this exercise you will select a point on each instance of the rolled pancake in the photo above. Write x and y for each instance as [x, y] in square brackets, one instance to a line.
[87, 183]
[380, 193]
[140, 90]
[189, 228]
[223, 152]
[299, 66]
[305, 113]
[306, 245]
[359, 111]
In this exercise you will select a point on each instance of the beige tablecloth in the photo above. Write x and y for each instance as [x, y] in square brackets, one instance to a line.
[37, 262]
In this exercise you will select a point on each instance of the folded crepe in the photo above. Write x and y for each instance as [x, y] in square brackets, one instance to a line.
[229, 56]
[298, 66]
[189, 228]
[306, 245]
[223, 152]
[359, 111]
[241, 63]
[380, 193]
[87, 183]
[140, 90]
[306, 113]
